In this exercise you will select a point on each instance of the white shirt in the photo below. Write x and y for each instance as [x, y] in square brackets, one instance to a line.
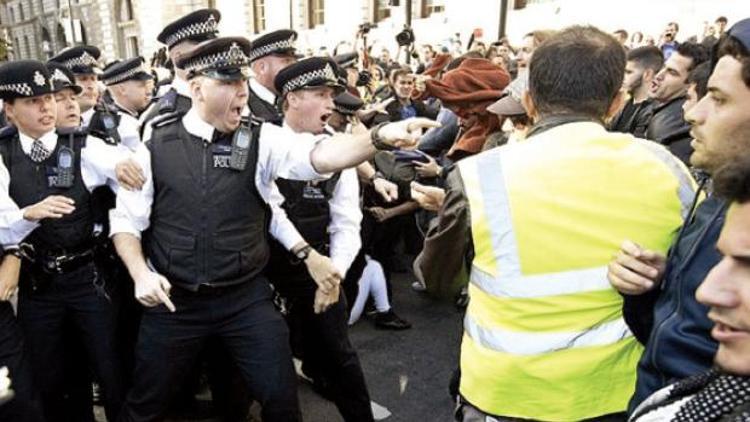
[279, 155]
[128, 128]
[98, 162]
[345, 218]
[86, 116]
[264, 93]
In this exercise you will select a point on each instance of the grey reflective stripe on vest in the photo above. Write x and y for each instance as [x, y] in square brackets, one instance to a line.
[686, 187]
[536, 343]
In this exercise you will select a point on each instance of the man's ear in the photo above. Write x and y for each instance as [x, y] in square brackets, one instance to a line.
[648, 76]
[196, 92]
[616, 105]
[528, 104]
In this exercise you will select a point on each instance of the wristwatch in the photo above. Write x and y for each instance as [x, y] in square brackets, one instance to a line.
[303, 252]
[377, 140]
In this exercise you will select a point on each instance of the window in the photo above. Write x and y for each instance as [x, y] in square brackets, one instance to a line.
[126, 11]
[381, 10]
[315, 11]
[259, 15]
[12, 14]
[22, 17]
[432, 6]
[131, 47]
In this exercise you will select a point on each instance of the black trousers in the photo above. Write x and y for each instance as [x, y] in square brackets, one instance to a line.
[241, 317]
[327, 353]
[25, 406]
[42, 314]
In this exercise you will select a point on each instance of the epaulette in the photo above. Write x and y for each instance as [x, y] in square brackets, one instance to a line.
[165, 119]
[253, 120]
[79, 133]
[168, 102]
[8, 132]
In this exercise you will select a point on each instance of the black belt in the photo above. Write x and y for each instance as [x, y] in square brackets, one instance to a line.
[61, 262]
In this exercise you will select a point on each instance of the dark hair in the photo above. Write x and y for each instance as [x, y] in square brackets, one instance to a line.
[699, 76]
[647, 57]
[578, 70]
[398, 72]
[676, 26]
[730, 46]
[623, 33]
[722, 19]
[698, 53]
[732, 180]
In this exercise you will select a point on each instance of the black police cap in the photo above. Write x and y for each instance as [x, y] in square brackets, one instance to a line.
[81, 60]
[281, 42]
[62, 78]
[308, 73]
[198, 26]
[224, 58]
[125, 70]
[347, 104]
[346, 60]
[23, 79]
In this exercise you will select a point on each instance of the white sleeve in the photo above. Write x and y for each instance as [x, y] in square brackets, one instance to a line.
[346, 217]
[281, 228]
[98, 161]
[286, 154]
[13, 227]
[133, 210]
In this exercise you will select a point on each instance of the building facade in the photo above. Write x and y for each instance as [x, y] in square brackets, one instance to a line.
[127, 28]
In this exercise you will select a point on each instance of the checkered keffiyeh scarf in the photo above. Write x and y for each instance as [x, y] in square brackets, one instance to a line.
[708, 397]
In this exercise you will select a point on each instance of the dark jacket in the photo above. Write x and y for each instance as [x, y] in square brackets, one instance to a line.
[633, 118]
[676, 326]
[394, 112]
[669, 128]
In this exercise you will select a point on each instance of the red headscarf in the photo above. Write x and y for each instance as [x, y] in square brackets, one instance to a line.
[467, 90]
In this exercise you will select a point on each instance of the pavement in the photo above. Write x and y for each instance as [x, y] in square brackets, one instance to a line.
[407, 372]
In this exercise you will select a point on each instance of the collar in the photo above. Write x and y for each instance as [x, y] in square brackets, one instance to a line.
[197, 126]
[124, 109]
[554, 121]
[264, 93]
[49, 140]
[181, 86]
[660, 106]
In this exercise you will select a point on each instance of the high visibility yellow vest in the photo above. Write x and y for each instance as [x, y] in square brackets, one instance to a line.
[544, 336]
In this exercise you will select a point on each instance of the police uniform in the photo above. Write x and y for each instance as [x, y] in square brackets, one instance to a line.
[204, 228]
[82, 60]
[127, 120]
[58, 281]
[261, 99]
[327, 216]
[197, 26]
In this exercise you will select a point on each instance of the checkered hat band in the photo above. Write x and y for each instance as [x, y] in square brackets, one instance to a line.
[200, 28]
[123, 76]
[325, 74]
[21, 89]
[217, 61]
[59, 76]
[267, 49]
[84, 59]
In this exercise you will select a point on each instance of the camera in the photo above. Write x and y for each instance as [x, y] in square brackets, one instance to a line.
[364, 77]
[365, 28]
[405, 37]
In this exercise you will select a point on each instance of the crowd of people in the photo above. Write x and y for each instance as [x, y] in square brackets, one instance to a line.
[237, 204]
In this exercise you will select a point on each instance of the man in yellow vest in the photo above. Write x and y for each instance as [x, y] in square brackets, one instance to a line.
[544, 337]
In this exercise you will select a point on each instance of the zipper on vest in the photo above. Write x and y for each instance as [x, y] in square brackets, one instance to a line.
[204, 183]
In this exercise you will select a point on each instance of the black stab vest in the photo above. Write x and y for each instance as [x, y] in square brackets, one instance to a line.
[209, 223]
[30, 183]
[262, 110]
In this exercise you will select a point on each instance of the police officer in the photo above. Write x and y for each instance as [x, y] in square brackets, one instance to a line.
[180, 36]
[204, 215]
[51, 178]
[323, 220]
[271, 53]
[128, 84]
[82, 60]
